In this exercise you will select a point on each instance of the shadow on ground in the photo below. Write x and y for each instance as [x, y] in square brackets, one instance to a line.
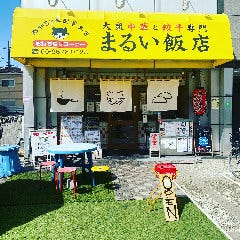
[22, 200]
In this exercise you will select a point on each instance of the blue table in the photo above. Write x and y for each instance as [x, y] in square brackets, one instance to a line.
[61, 150]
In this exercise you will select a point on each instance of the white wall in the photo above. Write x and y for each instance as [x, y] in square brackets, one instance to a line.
[128, 5]
[58, 4]
[199, 6]
[192, 6]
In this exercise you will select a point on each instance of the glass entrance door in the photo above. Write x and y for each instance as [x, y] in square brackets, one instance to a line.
[123, 127]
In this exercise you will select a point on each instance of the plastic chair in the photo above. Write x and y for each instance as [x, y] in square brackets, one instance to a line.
[71, 170]
[100, 169]
[51, 164]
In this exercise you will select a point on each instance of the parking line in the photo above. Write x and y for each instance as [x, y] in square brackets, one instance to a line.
[238, 183]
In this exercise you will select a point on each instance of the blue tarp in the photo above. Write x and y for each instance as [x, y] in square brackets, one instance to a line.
[9, 160]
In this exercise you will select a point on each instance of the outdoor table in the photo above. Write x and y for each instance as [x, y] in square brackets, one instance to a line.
[61, 150]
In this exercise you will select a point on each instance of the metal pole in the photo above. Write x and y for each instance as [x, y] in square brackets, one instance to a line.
[8, 62]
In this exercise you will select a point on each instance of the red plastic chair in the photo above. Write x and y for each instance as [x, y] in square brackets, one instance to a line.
[51, 164]
[71, 170]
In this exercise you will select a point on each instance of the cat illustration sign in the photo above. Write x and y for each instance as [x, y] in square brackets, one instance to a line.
[60, 33]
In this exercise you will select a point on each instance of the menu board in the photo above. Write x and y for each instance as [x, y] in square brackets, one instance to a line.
[42, 139]
[71, 129]
[203, 139]
[176, 136]
[178, 128]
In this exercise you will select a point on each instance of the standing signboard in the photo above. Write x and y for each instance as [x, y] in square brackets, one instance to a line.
[154, 150]
[41, 139]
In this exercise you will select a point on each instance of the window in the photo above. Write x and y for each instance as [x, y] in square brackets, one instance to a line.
[8, 102]
[8, 83]
[220, 6]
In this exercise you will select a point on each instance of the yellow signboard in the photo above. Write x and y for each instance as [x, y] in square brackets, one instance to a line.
[120, 35]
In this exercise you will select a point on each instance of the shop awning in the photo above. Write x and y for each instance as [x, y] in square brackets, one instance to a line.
[56, 38]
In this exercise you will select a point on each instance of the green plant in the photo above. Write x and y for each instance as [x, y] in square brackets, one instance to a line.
[41, 213]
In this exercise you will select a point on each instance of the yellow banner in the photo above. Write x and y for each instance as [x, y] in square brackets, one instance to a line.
[120, 35]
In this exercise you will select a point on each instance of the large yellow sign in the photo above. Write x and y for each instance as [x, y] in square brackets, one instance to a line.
[120, 35]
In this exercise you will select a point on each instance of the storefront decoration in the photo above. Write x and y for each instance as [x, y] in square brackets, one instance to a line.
[199, 101]
[116, 95]
[67, 95]
[120, 35]
[169, 197]
[166, 173]
[203, 140]
[154, 150]
[162, 95]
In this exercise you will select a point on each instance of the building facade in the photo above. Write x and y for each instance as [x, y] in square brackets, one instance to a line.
[11, 90]
[87, 74]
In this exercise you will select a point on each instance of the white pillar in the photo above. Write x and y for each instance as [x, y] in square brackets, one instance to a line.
[215, 112]
[226, 111]
[28, 78]
[40, 99]
[52, 116]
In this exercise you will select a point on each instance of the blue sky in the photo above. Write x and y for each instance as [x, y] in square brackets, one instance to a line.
[7, 7]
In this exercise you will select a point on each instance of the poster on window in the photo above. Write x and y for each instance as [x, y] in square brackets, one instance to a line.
[116, 95]
[170, 128]
[154, 142]
[215, 102]
[183, 128]
[169, 143]
[182, 144]
[92, 136]
[162, 95]
[67, 95]
[71, 129]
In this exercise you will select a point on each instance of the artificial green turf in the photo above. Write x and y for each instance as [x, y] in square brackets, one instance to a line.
[31, 211]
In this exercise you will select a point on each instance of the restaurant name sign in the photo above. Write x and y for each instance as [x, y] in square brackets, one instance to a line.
[119, 35]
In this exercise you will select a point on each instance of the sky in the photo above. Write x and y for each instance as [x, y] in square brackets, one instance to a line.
[7, 7]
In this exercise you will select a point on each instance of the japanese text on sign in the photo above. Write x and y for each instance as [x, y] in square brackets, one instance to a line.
[119, 35]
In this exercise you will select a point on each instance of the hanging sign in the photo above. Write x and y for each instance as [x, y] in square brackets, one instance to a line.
[199, 101]
[162, 95]
[67, 95]
[116, 95]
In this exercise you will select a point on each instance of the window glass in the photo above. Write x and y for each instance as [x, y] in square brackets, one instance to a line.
[8, 102]
[220, 6]
[8, 83]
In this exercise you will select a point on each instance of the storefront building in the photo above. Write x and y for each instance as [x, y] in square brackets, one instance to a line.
[116, 77]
